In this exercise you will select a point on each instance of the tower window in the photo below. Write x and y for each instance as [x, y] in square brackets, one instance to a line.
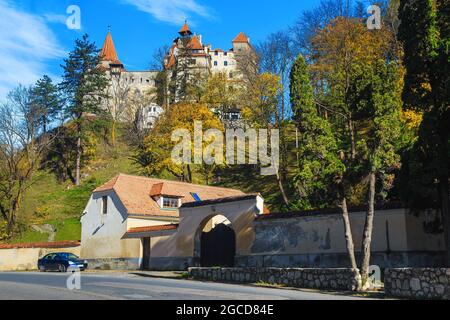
[225, 63]
[215, 63]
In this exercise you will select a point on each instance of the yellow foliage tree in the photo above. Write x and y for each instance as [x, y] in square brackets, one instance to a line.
[156, 156]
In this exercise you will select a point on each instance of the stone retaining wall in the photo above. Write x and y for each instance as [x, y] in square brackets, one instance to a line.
[325, 279]
[423, 283]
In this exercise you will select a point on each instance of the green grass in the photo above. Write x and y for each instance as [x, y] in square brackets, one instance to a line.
[62, 204]
[69, 229]
[30, 236]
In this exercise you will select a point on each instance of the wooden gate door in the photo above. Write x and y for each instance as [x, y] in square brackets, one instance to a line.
[146, 253]
[218, 247]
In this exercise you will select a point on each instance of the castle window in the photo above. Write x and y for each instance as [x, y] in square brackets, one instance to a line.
[215, 63]
[216, 53]
[225, 63]
[225, 53]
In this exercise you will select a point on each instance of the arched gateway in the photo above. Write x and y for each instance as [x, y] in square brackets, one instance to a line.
[215, 243]
[212, 233]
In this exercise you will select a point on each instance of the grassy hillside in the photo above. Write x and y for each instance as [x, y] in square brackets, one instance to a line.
[61, 205]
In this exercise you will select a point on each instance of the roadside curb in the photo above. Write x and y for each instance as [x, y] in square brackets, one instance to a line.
[174, 276]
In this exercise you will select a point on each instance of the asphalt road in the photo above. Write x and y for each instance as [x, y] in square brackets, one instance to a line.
[53, 286]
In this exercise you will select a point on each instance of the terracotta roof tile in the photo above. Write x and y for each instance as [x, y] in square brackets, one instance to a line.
[195, 44]
[108, 52]
[185, 29]
[241, 37]
[135, 193]
[153, 228]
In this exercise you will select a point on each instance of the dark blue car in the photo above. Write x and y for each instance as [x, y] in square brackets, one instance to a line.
[61, 261]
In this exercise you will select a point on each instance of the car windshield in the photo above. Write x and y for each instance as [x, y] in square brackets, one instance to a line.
[69, 256]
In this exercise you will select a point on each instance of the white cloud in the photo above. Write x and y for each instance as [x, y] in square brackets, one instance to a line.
[26, 44]
[55, 18]
[172, 11]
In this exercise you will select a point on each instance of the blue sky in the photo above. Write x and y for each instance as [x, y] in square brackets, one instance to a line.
[34, 37]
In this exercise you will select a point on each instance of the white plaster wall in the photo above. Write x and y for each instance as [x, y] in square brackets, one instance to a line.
[220, 58]
[101, 234]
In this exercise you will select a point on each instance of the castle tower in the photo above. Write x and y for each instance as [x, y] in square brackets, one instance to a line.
[108, 56]
[185, 31]
[241, 43]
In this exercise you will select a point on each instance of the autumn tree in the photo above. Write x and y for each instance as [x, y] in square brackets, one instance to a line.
[221, 93]
[84, 86]
[22, 144]
[261, 110]
[156, 155]
[117, 103]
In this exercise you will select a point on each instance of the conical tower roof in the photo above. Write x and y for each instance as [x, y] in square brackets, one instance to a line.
[185, 30]
[108, 52]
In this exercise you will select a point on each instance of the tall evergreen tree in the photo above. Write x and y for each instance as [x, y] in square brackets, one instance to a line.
[46, 99]
[377, 103]
[425, 34]
[84, 86]
[320, 169]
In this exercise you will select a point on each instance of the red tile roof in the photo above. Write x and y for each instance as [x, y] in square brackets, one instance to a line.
[195, 44]
[242, 38]
[49, 245]
[135, 193]
[153, 228]
[185, 29]
[108, 52]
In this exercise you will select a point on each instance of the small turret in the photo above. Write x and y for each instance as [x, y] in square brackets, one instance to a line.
[108, 55]
[185, 31]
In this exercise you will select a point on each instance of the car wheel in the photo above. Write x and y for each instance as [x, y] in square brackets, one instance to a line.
[62, 268]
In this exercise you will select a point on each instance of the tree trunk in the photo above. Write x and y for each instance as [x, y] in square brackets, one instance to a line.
[280, 186]
[348, 234]
[368, 230]
[189, 174]
[113, 133]
[352, 139]
[10, 227]
[79, 154]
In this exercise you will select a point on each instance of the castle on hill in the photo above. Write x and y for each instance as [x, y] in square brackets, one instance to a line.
[188, 57]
